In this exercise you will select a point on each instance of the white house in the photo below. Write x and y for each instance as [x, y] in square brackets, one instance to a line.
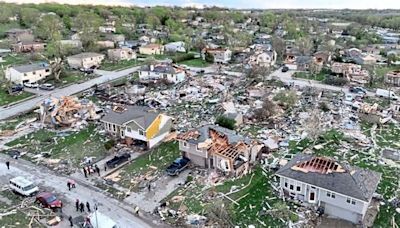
[28, 73]
[85, 60]
[263, 58]
[107, 29]
[221, 55]
[341, 190]
[161, 71]
[175, 47]
[121, 54]
[77, 44]
[134, 123]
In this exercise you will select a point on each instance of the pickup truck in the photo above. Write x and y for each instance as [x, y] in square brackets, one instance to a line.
[117, 160]
[177, 166]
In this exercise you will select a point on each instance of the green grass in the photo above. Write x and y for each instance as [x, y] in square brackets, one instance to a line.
[306, 75]
[195, 63]
[115, 66]
[16, 59]
[74, 147]
[6, 98]
[12, 123]
[4, 27]
[159, 157]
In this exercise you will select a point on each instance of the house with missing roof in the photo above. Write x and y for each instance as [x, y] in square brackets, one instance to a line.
[165, 72]
[215, 147]
[85, 60]
[220, 55]
[29, 73]
[151, 49]
[135, 124]
[339, 189]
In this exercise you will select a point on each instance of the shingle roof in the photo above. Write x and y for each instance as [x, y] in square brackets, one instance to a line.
[85, 55]
[160, 69]
[204, 134]
[355, 182]
[140, 115]
[31, 67]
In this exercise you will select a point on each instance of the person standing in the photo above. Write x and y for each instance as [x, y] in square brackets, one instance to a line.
[77, 204]
[8, 165]
[88, 207]
[97, 169]
[85, 172]
[70, 221]
[82, 207]
[69, 186]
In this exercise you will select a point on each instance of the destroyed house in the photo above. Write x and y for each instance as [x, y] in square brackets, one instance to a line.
[215, 147]
[137, 124]
[342, 191]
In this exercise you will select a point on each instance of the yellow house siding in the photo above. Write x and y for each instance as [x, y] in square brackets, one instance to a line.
[154, 128]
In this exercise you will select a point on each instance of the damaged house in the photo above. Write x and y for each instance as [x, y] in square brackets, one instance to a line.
[352, 72]
[134, 123]
[165, 72]
[340, 190]
[215, 147]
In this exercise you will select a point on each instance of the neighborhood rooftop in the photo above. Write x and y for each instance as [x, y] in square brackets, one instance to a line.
[31, 67]
[123, 114]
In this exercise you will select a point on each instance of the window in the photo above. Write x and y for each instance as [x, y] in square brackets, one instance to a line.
[129, 129]
[298, 188]
[330, 195]
[285, 184]
[25, 75]
[33, 72]
[348, 200]
[291, 187]
[47, 70]
[184, 144]
[352, 201]
[141, 132]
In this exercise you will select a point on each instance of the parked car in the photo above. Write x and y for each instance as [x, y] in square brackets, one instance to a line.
[16, 88]
[87, 71]
[49, 200]
[47, 86]
[357, 89]
[178, 166]
[14, 154]
[23, 186]
[285, 69]
[31, 85]
[117, 160]
[387, 94]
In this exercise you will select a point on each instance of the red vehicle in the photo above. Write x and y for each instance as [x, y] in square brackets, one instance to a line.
[49, 200]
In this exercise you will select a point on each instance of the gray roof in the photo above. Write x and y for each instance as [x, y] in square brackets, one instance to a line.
[140, 115]
[233, 138]
[355, 182]
[85, 55]
[303, 59]
[31, 67]
[167, 69]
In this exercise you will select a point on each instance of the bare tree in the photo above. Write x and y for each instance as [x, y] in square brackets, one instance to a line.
[313, 124]
[219, 214]
[267, 110]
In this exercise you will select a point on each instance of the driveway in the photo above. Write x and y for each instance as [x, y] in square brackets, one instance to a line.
[25, 106]
[116, 210]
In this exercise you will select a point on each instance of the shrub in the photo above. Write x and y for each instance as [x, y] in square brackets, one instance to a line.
[226, 122]
[109, 144]
[336, 81]
[182, 57]
[324, 106]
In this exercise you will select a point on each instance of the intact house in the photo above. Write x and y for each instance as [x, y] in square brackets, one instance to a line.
[135, 124]
[152, 49]
[220, 55]
[119, 54]
[105, 44]
[73, 44]
[163, 71]
[263, 58]
[85, 60]
[173, 47]
[215, 147]
[393, 78]
[29, 73]
[18, 35]
[340, 190]
[352, 72]
[107, 29]
[28, 46]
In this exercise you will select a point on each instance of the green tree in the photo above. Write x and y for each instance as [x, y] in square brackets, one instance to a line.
[268, 19]
[279, 46]
[226, 122]
[286, 98]
[153, 21]
[5, 13]
[49, 27]
[88, 25]
[28, 16]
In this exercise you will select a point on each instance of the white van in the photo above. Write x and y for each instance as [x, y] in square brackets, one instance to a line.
[23, 186]
[386, 93]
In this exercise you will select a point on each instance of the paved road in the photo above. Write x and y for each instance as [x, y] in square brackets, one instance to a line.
[6, 112]
[47, 179]
[287, 78]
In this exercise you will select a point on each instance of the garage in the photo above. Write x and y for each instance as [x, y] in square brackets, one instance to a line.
[341, 213]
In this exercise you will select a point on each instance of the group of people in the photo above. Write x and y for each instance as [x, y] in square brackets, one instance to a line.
[80, 206]
[90, 169]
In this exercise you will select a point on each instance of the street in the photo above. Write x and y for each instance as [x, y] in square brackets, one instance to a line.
[119, 212]
[6, 112]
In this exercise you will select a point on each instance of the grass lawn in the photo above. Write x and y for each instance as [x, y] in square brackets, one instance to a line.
[251, 199]
[16, 59]
[12, 123]
[306, 75]
[6, 98]
[70, 77]
[195, 63]
[159, 157]
[73, 147]
[115, 66]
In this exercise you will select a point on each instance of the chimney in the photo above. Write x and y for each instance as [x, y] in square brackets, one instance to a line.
[151, 67]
